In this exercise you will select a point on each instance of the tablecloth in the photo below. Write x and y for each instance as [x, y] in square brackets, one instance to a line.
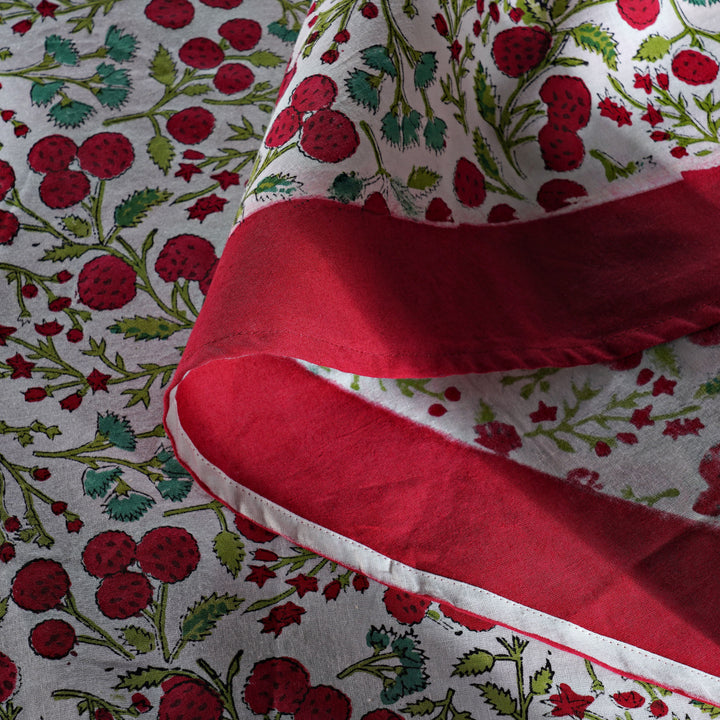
[137, 137]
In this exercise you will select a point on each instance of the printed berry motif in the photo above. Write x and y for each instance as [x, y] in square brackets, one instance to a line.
[172, 14]
[8, 677]
[169, 554]
[52, 154]
[323, 702]
[278, 684]
[189, 699]
[9, 227]
[106, 155]
[201, 53]
[108, 552]
[694, 68]
[191, 125]
[317, 92]
[639, 14]
[520, 49]
[284, 127]
[405, 607]
[124, 594]
[186, 256]
[53, 639]
[64, 188]
[329, 136]
[242, 33]
[40, 585]
[7, 177]
[106, 283]
[233, 78]
[469, 183]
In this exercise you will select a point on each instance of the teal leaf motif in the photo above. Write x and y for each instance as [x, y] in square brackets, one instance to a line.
[425, 70]
[96, 483]
[131, 507]
[70, 114]
[376, 56]
[362, 91]
[61, 49]
[43, 93]
[120, 45]
[174, 489]
[117, 430]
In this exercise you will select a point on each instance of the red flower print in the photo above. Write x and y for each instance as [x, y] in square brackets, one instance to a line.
[652, 116]
[686, 426]
[12, 524]
[141, 703]
[516, 14]
[206, 206]
[643, 82]
[602, 449]
[7, 552]
[98, 380]
[21, 367]
[63, 276]
[35, 394]
[480, 6]
[679, 152]
[332, 590]
[71, 402]
[47, 9]
[58, 507]
[74, 526]
[329, 56]
[41, 474]
[629, 699]
[583, 476]
[5, 332]
[406, 607]
[369, 10]
[187, 170]
[59, 304]
[263, 555]
[455, 50]
[280, 617]
[259, 574]
[617, 113]
[544, 413]
[74, 335]
[497, 436]
[441, 25]
[226, 179]
[568, 702]
[658, 708]
[29, 291]
[342, 37]
[471, 622]
[659, 135]
[627, 438]
[644, 376]
[663, 81]
[494, 12]
[21, 130]
[22, 27]
[49, 329]
[477, 28]
[303, 584]
[360, 583]
[663, 386]
[641, 417]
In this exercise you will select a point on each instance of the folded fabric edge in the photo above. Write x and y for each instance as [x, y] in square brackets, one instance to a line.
[621, 597]
[604, 651]
[382, 296]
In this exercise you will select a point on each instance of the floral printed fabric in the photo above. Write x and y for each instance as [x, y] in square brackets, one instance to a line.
[129, 130]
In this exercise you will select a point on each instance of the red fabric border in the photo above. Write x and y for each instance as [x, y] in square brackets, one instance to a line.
[619, 569]
[386, 297]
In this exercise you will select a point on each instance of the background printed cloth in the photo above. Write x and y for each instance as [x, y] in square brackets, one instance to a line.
[129, 130]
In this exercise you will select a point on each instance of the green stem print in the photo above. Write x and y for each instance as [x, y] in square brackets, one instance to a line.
[514, 702]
